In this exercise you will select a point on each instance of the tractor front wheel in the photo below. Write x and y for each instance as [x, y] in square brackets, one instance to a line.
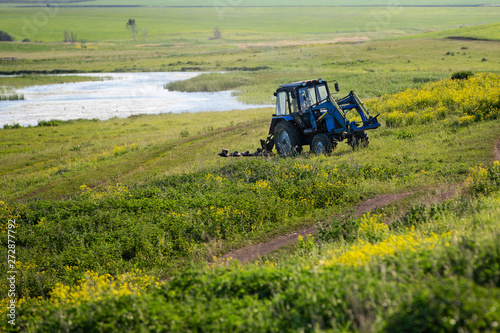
[287, 139]
[321, 144]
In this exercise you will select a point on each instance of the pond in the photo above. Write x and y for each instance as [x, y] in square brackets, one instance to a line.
[116, 95]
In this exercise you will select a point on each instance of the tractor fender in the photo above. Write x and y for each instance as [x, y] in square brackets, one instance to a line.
[276, 120]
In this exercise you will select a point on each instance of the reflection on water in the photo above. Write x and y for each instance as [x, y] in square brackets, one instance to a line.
[118, 95]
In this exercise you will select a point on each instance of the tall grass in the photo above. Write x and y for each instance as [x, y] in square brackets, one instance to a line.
[13, 97]
[7, 94]
[21, 81]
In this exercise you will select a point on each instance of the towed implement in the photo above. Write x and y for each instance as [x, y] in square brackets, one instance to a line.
[307, 114]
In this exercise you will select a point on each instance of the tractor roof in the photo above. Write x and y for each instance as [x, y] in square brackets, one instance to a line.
[307, 83]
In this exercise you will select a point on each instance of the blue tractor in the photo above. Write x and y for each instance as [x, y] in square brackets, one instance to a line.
[307, 114]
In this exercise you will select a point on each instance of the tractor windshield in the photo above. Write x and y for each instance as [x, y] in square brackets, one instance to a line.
[322, 92]
[307, 97]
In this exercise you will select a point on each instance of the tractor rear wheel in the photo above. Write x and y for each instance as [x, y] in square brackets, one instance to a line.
[287, 139]
[321, 144]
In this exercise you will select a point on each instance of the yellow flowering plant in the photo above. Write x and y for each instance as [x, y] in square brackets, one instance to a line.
[461, 101]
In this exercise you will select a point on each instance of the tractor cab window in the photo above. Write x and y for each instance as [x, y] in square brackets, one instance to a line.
[281, 103]
[307, 97]
[322, 92]
[286, 103]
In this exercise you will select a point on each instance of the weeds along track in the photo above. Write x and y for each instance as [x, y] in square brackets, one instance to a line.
[252, 252]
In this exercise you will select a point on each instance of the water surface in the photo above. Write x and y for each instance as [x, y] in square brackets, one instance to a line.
[117, 95]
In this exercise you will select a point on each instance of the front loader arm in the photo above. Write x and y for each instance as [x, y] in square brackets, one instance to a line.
[352, 101]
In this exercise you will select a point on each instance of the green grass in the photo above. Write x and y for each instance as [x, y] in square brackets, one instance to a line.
[481, 32]
[88, 145]
[31, 80]
[278, 3]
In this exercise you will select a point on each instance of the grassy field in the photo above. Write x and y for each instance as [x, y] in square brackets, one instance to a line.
[252, 3]
[480, 32]
[195, 26]
[146, 196]
[119, 223]
[372, 68]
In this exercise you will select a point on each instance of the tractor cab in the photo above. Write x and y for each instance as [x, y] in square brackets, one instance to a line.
[298, 97]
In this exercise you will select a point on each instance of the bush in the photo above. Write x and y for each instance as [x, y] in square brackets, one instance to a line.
[462, 75]
[16, 125]
[47, 123]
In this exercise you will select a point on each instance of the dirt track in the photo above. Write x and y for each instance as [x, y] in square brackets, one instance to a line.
[497, 151]
[249, 253]
[252, 252]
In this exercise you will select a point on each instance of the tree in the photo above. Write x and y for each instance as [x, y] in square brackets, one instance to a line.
[67, 38]
[217, 34]
[131, 25]
[5, 37]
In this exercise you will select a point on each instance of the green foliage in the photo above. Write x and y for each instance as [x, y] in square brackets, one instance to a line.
[404, 135]
[419, 214]
[343, 228]
[184, 133]
[5, 37]
[209, 82]
[448, 306]
[428, 290]
[163, 222]
[163, 219]
[54, 122]
[456, 102]
[483, 180]
[16, 125]
[462, 75]
[306, 244]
